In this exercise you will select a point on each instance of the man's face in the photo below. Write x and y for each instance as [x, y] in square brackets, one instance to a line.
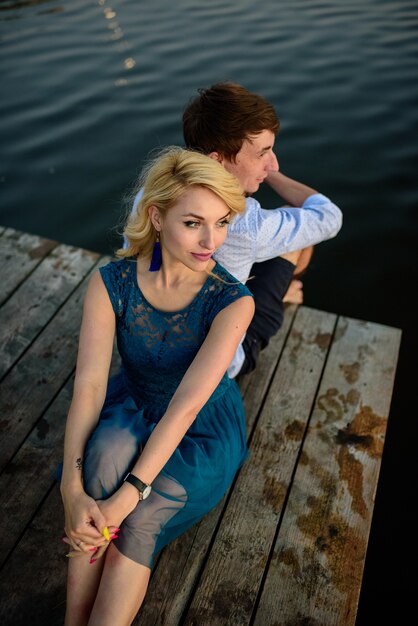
[253, 162]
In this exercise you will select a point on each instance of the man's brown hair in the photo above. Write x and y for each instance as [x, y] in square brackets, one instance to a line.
[221, 117]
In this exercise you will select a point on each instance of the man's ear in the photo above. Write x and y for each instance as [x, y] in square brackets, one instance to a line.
[216, 156]
[155, 217]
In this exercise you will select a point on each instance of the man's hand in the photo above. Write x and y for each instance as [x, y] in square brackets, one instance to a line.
[290, 190]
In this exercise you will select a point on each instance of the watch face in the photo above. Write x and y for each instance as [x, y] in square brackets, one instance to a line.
[146, 492]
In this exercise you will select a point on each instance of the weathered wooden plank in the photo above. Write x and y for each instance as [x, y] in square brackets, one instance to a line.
[254, 386]
[181, 562]
[40, 455]
[20, 253]
[316, 571]
[175, 575]
[32, 584]
[37, 299]
[246, 535]
[28, 389]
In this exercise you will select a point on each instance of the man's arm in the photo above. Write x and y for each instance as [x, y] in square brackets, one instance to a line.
[290, 190]
[276, 232]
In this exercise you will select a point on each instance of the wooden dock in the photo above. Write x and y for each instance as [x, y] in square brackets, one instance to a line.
[285, 547]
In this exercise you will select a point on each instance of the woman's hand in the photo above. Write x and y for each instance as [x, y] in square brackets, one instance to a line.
[84, 522]
[115, 509]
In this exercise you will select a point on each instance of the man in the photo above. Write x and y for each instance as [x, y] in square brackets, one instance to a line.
[268, 248]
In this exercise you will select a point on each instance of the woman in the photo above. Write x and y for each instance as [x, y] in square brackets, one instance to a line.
[150, 456]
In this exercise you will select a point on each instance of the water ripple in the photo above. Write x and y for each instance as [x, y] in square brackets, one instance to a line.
[92, 89]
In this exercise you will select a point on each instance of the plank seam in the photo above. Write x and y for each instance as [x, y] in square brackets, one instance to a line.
[2, 302]
[25, 529]
[267, 391]
[35, 425]
[232, 486]
[289, 489]
[58, 310]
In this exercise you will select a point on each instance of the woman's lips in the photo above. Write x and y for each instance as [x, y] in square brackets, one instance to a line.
[202, 257]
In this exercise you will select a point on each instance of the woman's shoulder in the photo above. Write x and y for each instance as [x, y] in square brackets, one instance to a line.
[226, 278]
[118, 267]
[224, 289]
[226, 285]
[117, 274]
[117, 278]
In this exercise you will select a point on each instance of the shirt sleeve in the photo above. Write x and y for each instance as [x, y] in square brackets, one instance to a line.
[286, 229]
[134, 205]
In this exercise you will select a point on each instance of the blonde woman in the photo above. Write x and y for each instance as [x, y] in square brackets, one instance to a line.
[150, 452]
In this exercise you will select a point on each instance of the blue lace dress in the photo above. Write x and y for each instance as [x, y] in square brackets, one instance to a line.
[156, 348]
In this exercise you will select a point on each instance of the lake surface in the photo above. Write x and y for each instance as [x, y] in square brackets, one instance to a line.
[89, 88]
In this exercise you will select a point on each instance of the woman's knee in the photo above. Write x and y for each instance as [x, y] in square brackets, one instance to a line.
[109, 455]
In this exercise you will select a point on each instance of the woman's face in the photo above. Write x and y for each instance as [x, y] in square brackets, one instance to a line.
[194, 228]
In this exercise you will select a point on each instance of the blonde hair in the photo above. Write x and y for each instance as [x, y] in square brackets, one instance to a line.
[164, 180]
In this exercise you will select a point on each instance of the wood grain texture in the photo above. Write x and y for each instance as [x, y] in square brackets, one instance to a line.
[20, 253]
[316, 571]
[30, 386]
[248, 527]
[254, 386]
[38, 298]
[32, 472]
[32, 584]
[177, 572]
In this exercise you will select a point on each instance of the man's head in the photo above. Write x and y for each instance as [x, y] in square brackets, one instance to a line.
[236, 127]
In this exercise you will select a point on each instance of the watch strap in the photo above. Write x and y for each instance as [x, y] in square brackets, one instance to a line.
[138, 483]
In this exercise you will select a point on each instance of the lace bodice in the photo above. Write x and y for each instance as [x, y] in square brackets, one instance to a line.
[157, 347]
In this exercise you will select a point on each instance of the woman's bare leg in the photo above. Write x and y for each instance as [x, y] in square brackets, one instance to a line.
[121, 592]
[82, 584]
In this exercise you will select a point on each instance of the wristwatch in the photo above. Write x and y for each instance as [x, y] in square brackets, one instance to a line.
[143, 488]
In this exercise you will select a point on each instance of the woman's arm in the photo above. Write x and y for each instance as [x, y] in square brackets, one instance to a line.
[199, 382]
[93, 364]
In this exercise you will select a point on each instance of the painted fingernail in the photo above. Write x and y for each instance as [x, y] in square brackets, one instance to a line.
[63, 539]
[92, 561]
[93, 549]
[114, 537]
[116, 530]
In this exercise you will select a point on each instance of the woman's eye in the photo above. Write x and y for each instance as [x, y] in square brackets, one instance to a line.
[191, 224]
[223, 223]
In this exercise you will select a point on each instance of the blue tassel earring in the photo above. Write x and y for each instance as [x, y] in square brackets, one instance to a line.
[156, 258]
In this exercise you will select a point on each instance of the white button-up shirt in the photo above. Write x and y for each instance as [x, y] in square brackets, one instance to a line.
[260, 234]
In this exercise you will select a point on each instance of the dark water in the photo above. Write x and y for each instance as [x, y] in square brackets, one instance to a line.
[88, 88]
